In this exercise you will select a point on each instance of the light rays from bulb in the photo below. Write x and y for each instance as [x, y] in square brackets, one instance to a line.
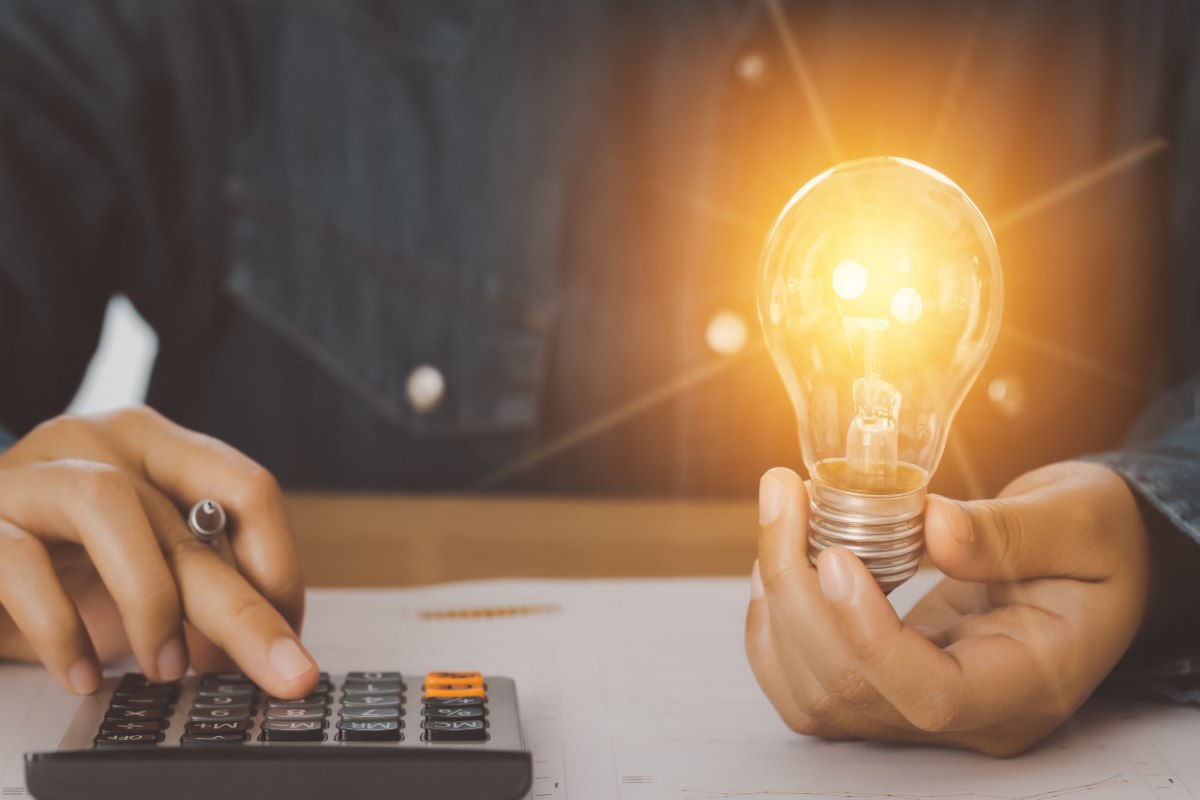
[610, 419]
[958, 80]
[1067, 355]
[1079, 184]
[808, 86]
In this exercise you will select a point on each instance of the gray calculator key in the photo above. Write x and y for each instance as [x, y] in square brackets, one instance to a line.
[246, 690]
[129, 727]
[293, 725]
[446, 730]
[297, 713]
[312, 700]
[105, 740]
[221, 701]
[217, 726]
[293, 730]
[372, 687]
[210, 678]
[232, 713]
[443, 702]
[374, 712]
[212, 738]
[141, 701]
[368, 700]
[454, 712]
[366, 731]
[134, 714]
[368, 677]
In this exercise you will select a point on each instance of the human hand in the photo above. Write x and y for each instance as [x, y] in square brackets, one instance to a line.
[96, 559]
[1046, 587]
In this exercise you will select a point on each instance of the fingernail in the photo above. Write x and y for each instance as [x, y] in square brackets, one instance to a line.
[83, 676]
[772, 497]
[172, 660]
[837, 582]
[288, 660]
[757, 592]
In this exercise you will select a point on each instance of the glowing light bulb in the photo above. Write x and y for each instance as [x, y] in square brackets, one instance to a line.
[880, 298]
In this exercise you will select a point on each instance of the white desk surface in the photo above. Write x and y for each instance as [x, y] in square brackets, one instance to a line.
[640, 690]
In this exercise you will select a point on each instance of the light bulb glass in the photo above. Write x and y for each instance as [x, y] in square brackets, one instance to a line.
[880, 297]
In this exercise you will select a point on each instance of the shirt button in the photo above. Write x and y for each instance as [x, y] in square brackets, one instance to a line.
[751, 68]
[726, 333]
[425, 388]
[1007, 394]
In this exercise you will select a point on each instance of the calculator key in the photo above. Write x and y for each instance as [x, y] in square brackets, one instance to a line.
[209, 714]
[373, 687]
[471, 678]
[313, 700]
[297, 713]
[289, 730]
[453, 712]
[221, 701]
[375, 712]
[445, 730]
[139, 701]
[217, 726]
[134, 684]
[368, 731]
[247, 690]
[369, 677]
[130, 727]
[368, 700]
[134, 714]
[445, 702]
[114, 740]
[454, 690]
[223, 677]
[212, 738]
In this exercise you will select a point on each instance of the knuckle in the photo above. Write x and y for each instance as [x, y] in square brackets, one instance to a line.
[186, 551]
[1005, 523]
[133, 416]
[100, 484]
[67, 427]
[825, 706]
[18, 550]
[256, 487]
[937, 714]
[850, 690]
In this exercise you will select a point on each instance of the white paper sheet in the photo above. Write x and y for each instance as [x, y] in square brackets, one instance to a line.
[639, 690]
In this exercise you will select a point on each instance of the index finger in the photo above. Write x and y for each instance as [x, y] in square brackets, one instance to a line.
[189, 466]
[228, 611]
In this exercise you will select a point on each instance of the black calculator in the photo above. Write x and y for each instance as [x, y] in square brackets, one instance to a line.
[453, 735]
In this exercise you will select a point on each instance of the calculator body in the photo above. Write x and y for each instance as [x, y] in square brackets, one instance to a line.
[189, 759]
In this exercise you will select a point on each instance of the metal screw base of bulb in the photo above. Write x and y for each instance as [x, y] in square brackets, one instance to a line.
[885, 531]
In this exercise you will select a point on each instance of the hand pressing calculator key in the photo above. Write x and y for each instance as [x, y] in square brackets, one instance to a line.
[356, 736]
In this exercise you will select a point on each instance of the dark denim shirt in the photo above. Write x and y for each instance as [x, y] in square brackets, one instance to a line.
[549, 201]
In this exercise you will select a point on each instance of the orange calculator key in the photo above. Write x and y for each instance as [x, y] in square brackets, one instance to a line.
[454, 684]
[474, 678]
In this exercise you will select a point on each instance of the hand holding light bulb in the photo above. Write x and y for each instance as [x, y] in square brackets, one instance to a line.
[1047, 587]
[880, 298]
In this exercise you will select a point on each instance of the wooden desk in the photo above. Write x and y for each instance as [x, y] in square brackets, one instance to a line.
[384, 540]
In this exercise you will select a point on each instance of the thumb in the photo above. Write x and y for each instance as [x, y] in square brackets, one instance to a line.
[1010, 539]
